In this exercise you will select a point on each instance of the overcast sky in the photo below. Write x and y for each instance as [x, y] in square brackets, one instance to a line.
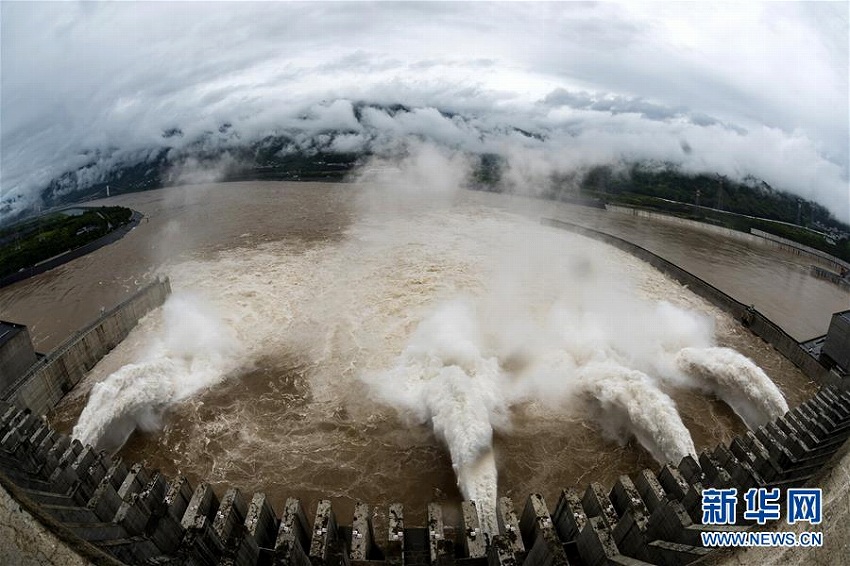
[758, 89]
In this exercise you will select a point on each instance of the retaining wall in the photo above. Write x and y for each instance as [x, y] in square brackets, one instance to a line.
[759, 324]
[47, 381]
[670, 219]
[830, 276]
[16, 353]
[799, 249]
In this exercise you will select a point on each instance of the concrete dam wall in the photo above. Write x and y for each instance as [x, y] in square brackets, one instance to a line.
[47, 381]
[113, 512]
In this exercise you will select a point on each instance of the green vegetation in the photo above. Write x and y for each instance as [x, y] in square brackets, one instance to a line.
[750, 197]
[715, 199]
[274, 158]
[28, 243]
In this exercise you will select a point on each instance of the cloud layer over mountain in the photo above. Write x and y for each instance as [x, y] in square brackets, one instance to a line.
[755, 90]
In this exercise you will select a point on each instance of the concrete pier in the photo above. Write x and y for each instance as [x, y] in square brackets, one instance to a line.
[508, 523]
[538, 534]
[475, 542]
[362, 533]
[325, 533]
[292, 539]
[395, 535]
[440, 548]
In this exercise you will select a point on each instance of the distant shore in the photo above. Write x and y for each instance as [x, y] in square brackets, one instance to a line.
[56, 261]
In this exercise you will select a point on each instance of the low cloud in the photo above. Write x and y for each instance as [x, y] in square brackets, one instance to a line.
[193, 171]
[418, 176]
[551, 87]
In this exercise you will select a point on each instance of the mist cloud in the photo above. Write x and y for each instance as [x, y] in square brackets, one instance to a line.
[760, 91]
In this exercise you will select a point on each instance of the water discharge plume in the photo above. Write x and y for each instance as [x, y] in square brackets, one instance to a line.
[132, 397]
[196, 349]
[443, 378]
[543, 331]
[631, 401]
[737, 380]
[465, 366]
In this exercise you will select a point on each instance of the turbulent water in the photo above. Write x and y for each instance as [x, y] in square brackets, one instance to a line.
[195, 350]
[735, 379]
[454, 345]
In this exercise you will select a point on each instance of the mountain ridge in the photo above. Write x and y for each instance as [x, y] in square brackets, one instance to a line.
[308, 151]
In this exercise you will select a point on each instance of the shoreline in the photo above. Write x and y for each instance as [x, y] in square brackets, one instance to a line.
[70, 255]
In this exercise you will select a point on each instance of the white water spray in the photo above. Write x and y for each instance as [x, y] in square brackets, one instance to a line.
[737, 380]
[463, 368]
[630, 400]
[452, 319]
[443, 378]
[470, 360]
[196, 350]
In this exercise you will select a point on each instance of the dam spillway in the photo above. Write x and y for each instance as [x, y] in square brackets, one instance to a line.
[400, 303]
[409, 511]
[114, 513]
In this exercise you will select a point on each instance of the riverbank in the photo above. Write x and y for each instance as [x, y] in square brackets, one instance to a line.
[62, 258]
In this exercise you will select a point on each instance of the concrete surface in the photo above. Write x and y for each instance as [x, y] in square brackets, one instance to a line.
[835, 482]
[25, 542]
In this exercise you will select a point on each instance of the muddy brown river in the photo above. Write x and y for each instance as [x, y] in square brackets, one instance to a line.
[320, 343]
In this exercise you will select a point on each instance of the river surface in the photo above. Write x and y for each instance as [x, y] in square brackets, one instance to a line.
[302, 314]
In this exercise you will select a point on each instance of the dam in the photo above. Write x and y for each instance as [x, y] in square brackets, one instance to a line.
[643, 517]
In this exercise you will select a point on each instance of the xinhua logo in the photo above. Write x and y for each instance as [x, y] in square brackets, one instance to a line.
[803, 505]
[762, 505]
[718, 506]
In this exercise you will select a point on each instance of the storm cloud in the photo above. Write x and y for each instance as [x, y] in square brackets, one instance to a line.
[753, 89]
